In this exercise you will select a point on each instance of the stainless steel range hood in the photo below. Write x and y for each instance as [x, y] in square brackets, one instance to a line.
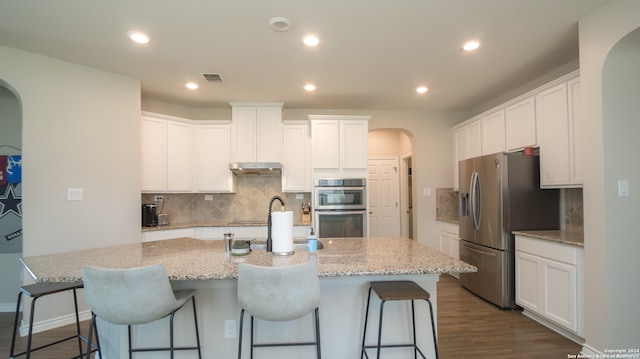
[256, 168]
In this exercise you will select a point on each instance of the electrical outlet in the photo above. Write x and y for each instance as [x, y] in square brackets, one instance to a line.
[158, 198]
[229, 329]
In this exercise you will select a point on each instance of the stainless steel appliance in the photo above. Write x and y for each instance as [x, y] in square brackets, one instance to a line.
[498, 194]
[340, 207]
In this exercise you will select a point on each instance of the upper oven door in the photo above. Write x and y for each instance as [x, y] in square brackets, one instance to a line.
[340, 198]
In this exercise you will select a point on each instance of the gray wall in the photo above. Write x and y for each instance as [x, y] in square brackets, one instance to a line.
[81, 128]
[609, 86]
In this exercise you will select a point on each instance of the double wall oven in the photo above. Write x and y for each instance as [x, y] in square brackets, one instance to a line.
[340, 207]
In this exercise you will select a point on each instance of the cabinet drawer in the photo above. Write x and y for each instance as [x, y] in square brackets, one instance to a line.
[556, 251]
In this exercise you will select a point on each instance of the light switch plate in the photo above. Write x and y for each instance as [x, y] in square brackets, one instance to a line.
[74, 194]
[623, 188]
[426, 192]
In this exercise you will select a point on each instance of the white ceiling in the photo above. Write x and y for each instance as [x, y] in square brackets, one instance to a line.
[372, 54]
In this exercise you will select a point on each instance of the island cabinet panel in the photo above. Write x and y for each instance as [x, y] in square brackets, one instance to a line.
[520, 124]
[548, 282]
[256, 133]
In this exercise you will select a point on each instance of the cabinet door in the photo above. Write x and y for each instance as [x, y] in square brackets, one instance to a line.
[461, 137]
[354, 135]
[153, 154]
[553, 132]
[475, 139]
[325, 144]
[178, 156]
[296, 168]
[493, 133]
[520, 124]
[528, 293]
[445, 243]
[244, 120]
[560, 287]
[214, 155]
[575, 132]
[268, 124]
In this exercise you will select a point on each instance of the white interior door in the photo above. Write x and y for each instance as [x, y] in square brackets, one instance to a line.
[384, 210]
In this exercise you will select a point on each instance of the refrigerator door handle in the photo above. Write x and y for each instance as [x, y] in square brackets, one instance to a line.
[476, 200]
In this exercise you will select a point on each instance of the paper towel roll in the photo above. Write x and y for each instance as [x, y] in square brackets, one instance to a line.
[282, 232]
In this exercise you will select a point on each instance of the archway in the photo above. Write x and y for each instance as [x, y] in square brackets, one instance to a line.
[392, 149]
[620, 108]
[10, 197]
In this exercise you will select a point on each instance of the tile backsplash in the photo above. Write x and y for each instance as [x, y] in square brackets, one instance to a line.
[571, 208]
[249, 203]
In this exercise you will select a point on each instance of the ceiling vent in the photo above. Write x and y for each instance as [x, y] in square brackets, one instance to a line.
[212, 77]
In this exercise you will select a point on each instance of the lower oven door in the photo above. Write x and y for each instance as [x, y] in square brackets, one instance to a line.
[341, 224]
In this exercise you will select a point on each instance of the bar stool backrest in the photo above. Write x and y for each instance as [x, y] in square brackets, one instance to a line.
[129, 296]
[278, 293]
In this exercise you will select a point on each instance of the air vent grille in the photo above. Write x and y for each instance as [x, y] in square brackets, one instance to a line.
[212, 77]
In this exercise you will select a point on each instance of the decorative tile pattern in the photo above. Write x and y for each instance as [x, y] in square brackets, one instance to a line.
[571, 210]
[250, 202]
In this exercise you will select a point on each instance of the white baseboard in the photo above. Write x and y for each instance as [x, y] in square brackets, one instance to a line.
[52, 323]
[590, 352]
[556, 328]
[8, 307]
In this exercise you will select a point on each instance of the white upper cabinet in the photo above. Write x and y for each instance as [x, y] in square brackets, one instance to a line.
[520, 124]
[256, 133]
[180, 155]
[559, 135]
[339, 142]
[468, 144]
[213, 153]
[493, 133]
[154, 155]
[166, 155]
[296, 157]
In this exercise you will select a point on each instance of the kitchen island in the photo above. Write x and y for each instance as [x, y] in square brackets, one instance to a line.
[345, 267]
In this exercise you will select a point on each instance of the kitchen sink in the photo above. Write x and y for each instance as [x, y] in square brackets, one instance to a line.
[261, 246]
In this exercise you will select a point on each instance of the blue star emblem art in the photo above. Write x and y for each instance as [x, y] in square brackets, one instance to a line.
[10, 203]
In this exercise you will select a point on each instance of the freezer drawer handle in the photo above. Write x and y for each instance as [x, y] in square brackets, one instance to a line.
[481, 252]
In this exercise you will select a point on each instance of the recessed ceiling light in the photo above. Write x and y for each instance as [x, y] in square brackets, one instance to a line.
[311, 40]
[471, 45]
[280, 23]
[138, 37]
[310, 87]
[421, 89]
[191, 86]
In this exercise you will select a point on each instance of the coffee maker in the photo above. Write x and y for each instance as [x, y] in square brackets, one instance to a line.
[149, 215]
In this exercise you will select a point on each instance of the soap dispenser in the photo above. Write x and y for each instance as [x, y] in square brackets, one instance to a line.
[312, 241]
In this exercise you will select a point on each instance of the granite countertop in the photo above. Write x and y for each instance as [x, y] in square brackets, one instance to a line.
[453, 220]
[193, 259]
[560, 236]
[212, 224]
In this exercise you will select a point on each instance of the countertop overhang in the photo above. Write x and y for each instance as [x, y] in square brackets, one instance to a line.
[194, 259]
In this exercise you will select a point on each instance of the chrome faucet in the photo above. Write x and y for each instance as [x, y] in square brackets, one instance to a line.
[269, 240]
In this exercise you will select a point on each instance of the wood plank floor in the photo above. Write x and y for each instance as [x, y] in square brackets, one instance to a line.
[468, 327]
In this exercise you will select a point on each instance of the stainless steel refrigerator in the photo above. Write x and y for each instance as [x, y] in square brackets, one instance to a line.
[500, 193]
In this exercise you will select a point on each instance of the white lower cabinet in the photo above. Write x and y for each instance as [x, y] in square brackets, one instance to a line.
[449, 239]
[549, 282]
